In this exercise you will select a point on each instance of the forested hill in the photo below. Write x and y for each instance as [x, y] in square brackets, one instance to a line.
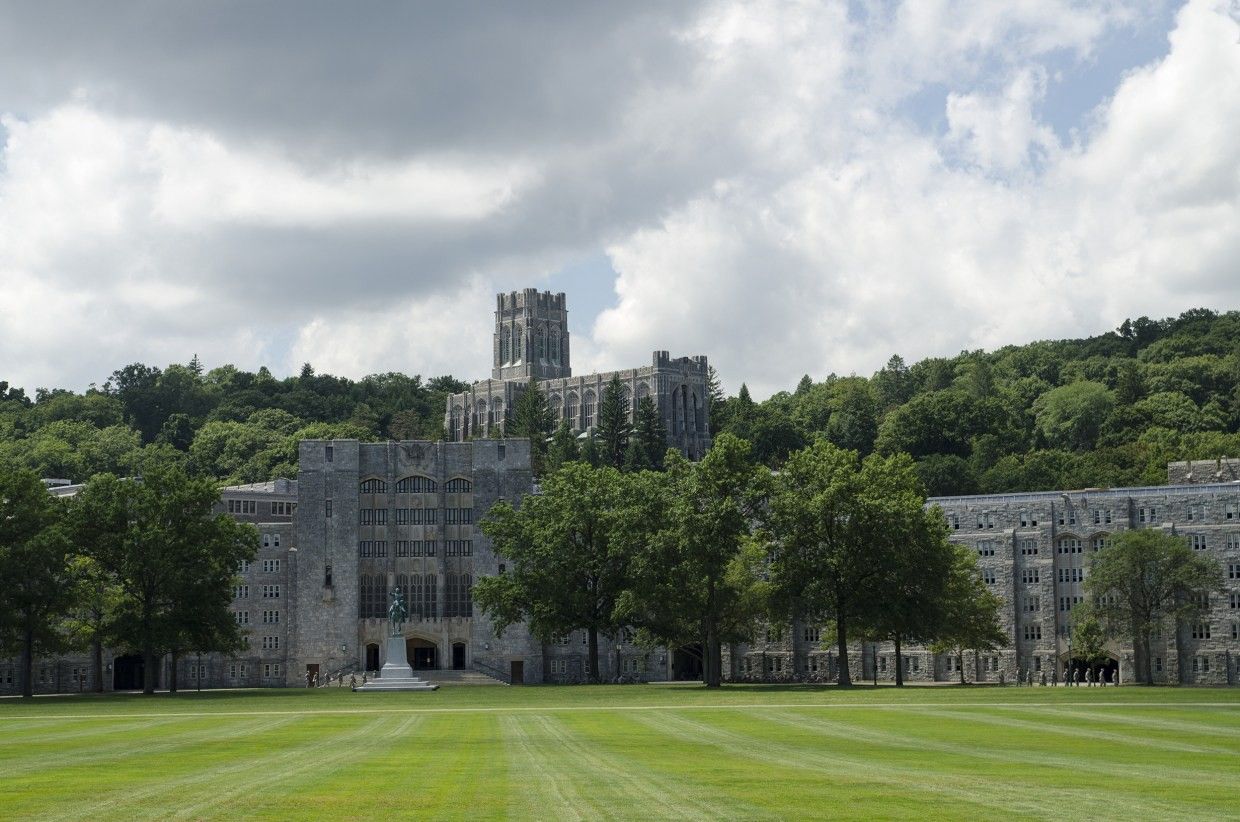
[233, 425]
[1109, 410]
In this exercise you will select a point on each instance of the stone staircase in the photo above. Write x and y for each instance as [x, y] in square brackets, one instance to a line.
[467, 677]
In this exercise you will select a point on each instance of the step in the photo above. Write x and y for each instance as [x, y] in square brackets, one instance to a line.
[468, 677]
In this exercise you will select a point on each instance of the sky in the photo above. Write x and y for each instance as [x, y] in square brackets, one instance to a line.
[786, 187]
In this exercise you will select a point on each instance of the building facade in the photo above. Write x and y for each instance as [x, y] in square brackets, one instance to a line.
[531, 341]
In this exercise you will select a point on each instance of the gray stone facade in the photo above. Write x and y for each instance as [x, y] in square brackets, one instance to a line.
[531, 341]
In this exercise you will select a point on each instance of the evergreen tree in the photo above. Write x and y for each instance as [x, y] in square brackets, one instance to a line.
[613, 429]
[590, 450]
[804, 386]
[532, 419]
[563, 448]
[648, 444]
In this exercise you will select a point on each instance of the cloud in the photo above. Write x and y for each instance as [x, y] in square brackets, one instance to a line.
[258, 186]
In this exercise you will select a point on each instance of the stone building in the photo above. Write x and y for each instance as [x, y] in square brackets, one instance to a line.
[531, 341]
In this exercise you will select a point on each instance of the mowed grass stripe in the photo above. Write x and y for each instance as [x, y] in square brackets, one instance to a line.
[163, 739]
[927, 740]
[933, 778]
[1210, 726]
[661, 797]
[1000, 717]
[545, 784]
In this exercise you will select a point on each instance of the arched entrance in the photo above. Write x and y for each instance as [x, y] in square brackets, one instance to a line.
[372, 657]
[128, 673]
[687, 663]
[458, 656]
[423, 654]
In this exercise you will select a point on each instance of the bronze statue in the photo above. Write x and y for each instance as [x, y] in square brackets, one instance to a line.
[397, 613]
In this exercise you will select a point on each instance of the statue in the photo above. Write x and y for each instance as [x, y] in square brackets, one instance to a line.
[397, 613]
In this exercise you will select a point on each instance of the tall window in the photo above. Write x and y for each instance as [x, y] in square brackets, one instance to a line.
[415, 485]
[505, 346]
[587, 406]
[570, 409]
[374, 486]
[540, 351]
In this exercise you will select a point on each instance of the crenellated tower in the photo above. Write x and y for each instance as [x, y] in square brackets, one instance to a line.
[531, 336]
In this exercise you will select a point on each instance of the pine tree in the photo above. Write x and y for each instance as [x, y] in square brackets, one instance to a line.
[648, 444]
[590, 450]
[563, 447]
[613, 429]
[804, 386]
[717, 405]
[195, 366]
[532, 419]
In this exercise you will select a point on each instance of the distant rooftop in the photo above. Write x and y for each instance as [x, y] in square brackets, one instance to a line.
[1140, 491]
[279, 485]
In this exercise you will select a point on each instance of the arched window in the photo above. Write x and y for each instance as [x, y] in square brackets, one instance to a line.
[459, 485]
[570, 409]
[556, 406]
[587, 406]
[497, 412]
[505, 346]
[554, 348]
[415, 485]
[456, 419]
[541, 350]
[374, 486]
[643, 391]
[518, 345]
[563, 350]
[697, 414]
[480, 415]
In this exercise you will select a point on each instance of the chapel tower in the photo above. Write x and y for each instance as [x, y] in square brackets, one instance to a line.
[531, 336]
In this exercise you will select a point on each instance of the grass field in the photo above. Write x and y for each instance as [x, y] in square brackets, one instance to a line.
[637, 752]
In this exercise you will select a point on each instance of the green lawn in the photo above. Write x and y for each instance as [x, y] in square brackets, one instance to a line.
[638, 752]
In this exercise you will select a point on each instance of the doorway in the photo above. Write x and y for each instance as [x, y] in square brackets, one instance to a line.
[458, 656]
[1103, 670]
[422, 654]
[517, 672]
[687, 663]
[372, 657]
[128, 673]
[312, 674]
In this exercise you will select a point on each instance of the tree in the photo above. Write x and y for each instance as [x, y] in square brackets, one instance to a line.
[970, 620]
[568, 566]
[167, 552]
[613, 429]
[1144, 579]
[648, 444]
[34, 570]
[716, 402]
[90, 622]
[1071, 416]
[697, 578]
[589, 450]
[1088, 635]
[532, 419]
[563, 448]
[837, 525]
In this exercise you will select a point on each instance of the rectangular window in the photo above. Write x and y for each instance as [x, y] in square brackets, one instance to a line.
[1201, 630]
[1235, 600]
[271, 643]
[241, 617]
[559, 666]
[1158, 664]
[328, 453]
[812, 635]
[1029, 547]
[1033, 632]
[271, 566]
[1201, 664]
[271, 592]
[271, 617]
[241, 592]
[1233, 542]
[1229, 512]
[327, 509]
[1033, 604]
[988, 576]
[1233, 570]
[1198, 541]
[1030, 576]
[243, 566]
[986, 548]
[1024, 519]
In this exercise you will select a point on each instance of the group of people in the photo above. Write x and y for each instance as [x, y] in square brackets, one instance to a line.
[1072, 676]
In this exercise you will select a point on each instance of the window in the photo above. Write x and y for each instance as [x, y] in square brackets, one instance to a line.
[559, 639]
[459, 548]
[243, 566]
[988, 576]
[1028, 547]
[271, 566]
[271, 643]
[373, 516]
[986, 548]
[1066, 603]
[243, 506]
[559, 666]
[953, 520]
[1201, 664]
[241, 592]
[241, 617]
[1071, 574]
[882, 663]
[1234, 600]
[415, 485]
[1233, 542]
[1098, 543]
[283, 509]
[328, 453]
[236, 670]
[327, 509]
[271, 592]
[1033, 632]
[1158, 664]
[1069, 545]
[1201, 630]
[1229, 512]
[1233, 570]
[1033, 604]
[1024, 519]
[1147, 514]
[1097, 517]
[812, 635]
[1030, 575]
[458, 486]
[1201, 600]
[372, 548]
[372, 596]
[1235, 630]
[587, 408]
[374, 486]
[271, 670]
[984, 520]
[1198, 541]
[327, 575]
[271, 617]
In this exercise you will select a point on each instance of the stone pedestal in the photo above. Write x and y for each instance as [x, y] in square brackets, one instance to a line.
[396, 674]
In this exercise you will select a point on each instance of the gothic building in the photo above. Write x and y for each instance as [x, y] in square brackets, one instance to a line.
[531, 342]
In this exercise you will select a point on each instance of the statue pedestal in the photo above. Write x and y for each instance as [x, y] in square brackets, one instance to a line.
[397, 664]
[396, 674]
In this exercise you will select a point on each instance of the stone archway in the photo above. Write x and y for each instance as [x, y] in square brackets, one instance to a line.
[423, 654]
[1107, 667]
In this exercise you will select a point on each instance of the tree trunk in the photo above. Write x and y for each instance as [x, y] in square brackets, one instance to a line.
[28, 662]
[899, 666]
[172, 672]
[960, 664]
[593, 663]
[712, 657]
[148, 669]
[1146, 663]
[844, 679]
[98, 664]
